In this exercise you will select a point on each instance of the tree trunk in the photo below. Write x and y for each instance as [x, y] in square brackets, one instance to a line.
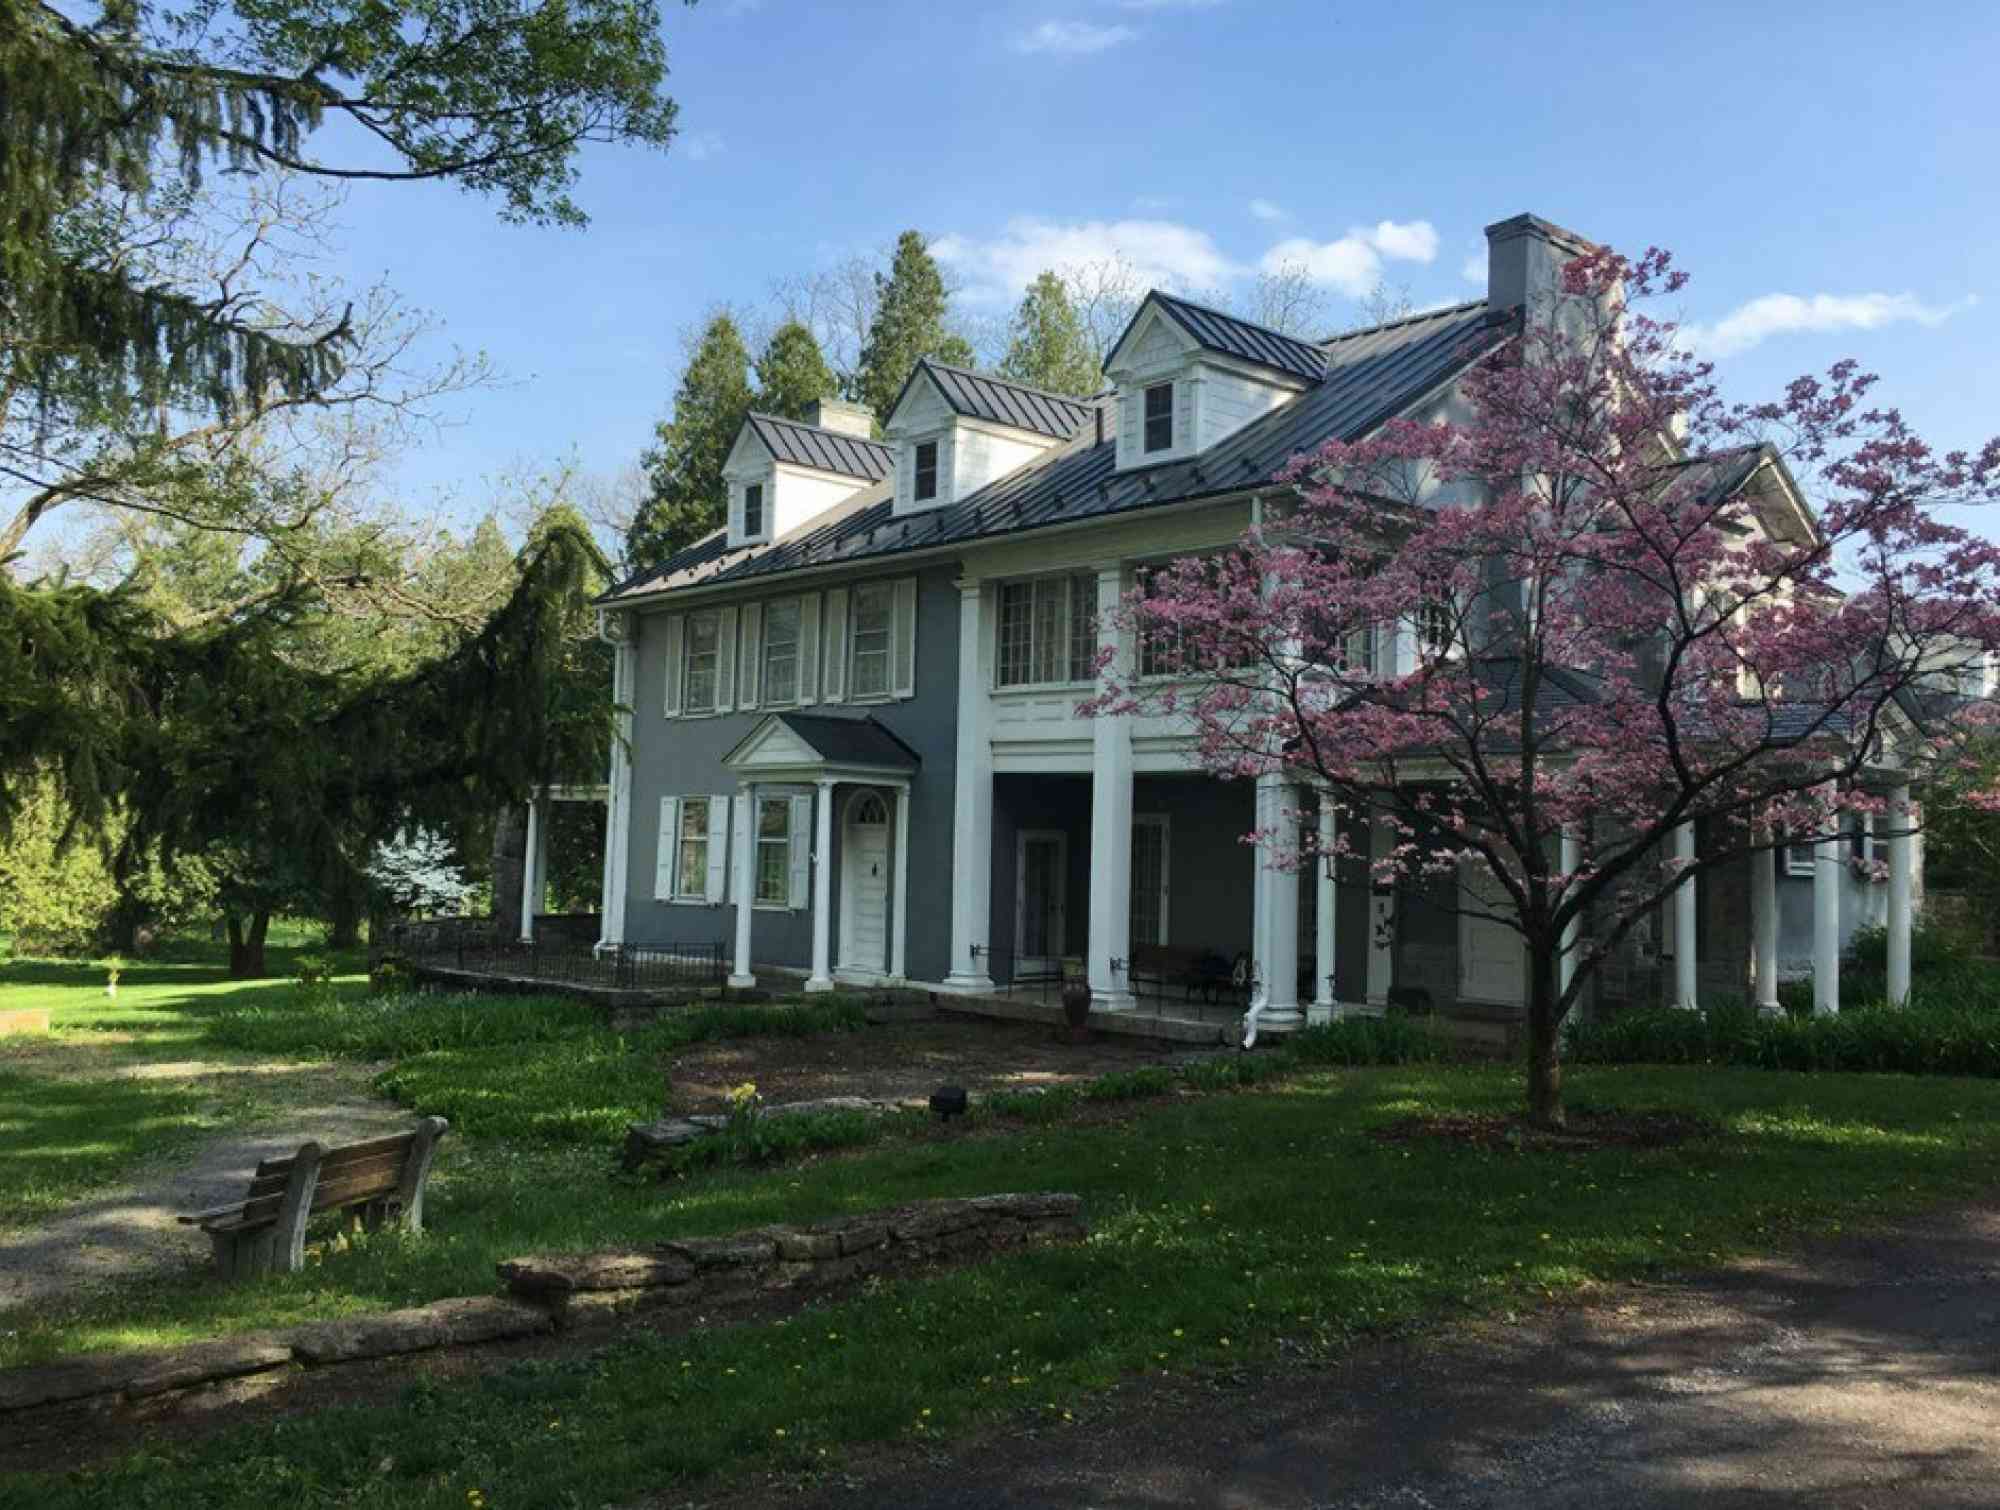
[246, 947]
[510, 858]
[1545, 1100]
[344, 918]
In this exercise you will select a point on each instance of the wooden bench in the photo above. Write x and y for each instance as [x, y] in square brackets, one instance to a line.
[1193, 969]
[376, 1182]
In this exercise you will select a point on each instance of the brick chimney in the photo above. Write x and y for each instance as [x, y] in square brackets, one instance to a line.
[1524, 260]
[839, 415]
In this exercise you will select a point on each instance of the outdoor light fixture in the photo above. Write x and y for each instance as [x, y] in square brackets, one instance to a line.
[948, 1101]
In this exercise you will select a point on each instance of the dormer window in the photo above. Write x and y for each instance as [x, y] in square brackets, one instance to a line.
[1160, 418]
[927, 470]
[753, 511]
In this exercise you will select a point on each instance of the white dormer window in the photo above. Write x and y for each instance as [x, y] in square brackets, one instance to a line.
[753, 511]
[926, 479]
[1159, 418]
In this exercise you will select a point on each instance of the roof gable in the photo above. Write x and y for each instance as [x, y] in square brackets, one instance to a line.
[997, 400]
[1228, 335]
[801, 445]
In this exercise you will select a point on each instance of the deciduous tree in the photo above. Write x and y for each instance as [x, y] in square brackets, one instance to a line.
[1048, 346]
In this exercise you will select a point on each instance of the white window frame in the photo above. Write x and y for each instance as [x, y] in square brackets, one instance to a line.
[1797, 863]
[1146, 418]
[686, 809]
[1067, 591]
[771, 642]
[688, 654]
[1164, 824]
[783, 843]
[917, 493]
[862, 592]
[756, 531]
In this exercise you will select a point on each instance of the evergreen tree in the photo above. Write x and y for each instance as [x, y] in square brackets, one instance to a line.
[1047, 345]
[910, 308]
[792, 375]
[686, 498]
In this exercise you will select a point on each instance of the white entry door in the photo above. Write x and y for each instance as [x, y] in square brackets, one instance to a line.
[864, 890]
[1040, 897]
[1492, 961]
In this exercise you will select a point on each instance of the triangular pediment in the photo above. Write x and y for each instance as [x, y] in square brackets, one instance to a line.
[772, 746]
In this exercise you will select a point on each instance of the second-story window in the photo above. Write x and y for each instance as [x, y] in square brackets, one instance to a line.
[927, 457]
[1048, 631]
[704, 643]
[753, 511]
[873, 621]
[781, 652]
[1160, 417]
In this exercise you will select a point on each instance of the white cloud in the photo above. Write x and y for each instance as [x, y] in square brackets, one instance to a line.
[1475, 268]
[700, 146]
[1752, 324]
[1353, 264]
[1073, 38]
[1266, 210]
[1162, 253]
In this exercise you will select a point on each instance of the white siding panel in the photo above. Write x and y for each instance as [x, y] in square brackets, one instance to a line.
[715, 887]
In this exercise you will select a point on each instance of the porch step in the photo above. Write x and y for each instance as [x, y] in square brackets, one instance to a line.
[1114, 1024]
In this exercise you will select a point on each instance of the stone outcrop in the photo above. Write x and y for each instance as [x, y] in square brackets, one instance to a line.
[646, 1141]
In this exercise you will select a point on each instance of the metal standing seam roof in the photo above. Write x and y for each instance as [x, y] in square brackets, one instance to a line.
[980, 395]
[803, 445]
[1245, 340]
[1370, 375]
[851, 741]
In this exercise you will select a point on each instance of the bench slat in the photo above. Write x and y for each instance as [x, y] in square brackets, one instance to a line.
[335, 1157]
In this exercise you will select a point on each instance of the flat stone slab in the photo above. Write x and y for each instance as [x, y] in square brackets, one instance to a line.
[202, 1362]
[647, 1140]
[467, 1319]
[567, 1273]
[73, 1379]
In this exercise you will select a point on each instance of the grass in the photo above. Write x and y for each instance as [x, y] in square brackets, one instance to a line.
[60, 1139]
[1223, 1224]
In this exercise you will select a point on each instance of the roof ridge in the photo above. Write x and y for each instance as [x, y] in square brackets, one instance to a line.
[1005, 382]
[1223, 314]
[799, 424]
[1401, 320]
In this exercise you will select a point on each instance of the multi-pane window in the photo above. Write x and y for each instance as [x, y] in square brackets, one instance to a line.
[1160, 417]
[691, 871]
[753, 510]
[1149, 881]
[1048, 631]
[781, 652]
[774, 851]
[703, 647]
[927, 468]
[874, 618]
[1437, 628]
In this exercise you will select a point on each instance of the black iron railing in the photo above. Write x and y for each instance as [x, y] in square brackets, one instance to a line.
[477, 946]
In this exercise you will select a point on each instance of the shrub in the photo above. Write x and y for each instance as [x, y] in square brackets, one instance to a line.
[1393, 1039]
[1928, 1037]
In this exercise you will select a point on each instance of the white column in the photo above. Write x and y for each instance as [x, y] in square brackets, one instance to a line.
[1275, 905]
[1324, 1007]
[1902, 871]
[743, 837]
[1570, 853]
[972, 801]
[1826, 916]
[1764, 928]
[1111, 823]
[533, 860]
[900, 939]
[1687, 979]
[618, 799]
[821, 978]
[1381, 917]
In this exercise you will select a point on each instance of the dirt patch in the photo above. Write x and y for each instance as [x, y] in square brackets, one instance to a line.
[902, 1062]
[1587, 1131]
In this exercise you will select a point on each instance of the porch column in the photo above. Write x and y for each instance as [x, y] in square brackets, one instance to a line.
[1826, 916]
[1764, 928]
[972, 802]
[1570, 857]
[1687, 979]
[899, 940]
[618, 803]
[1324, 1007]
[1381, 916]
[1275, 907]
[1111, 823]
[534, 867]
[821, 978]
[1902, 871]
[743, 839]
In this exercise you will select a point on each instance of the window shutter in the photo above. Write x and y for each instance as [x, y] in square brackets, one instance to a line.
[809, 649]
[715, 888]
[802, 855]
[725, 660]
[753, 658]
[834, 687]
[903, 676]
[672, 704]
[663, 862]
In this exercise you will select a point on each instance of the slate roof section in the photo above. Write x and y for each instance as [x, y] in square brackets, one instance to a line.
[851, 741]
[980, 395]
[1245, 340]
[823, 450]
[1371, 375]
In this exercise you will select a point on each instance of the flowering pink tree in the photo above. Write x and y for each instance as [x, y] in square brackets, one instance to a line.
[1614, 612]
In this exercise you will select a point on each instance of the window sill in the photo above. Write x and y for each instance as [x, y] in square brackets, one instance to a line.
[774, 907]
[1043, 689]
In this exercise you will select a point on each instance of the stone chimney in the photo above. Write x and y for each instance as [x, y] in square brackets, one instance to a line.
[839, 415]
[1524, 260]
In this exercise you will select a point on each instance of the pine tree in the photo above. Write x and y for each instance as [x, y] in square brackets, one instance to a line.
[910, 310]
[792, 375]
[687, 497]
[1048, 346]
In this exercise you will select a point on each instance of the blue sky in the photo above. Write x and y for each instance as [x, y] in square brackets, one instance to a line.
[1825, 171]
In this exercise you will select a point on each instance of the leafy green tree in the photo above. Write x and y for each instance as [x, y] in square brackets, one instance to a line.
[686, 497]
[792, 374]
[910, 322]
[1048, 346]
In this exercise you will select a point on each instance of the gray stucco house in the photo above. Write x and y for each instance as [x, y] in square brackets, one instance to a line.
[853, 748]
